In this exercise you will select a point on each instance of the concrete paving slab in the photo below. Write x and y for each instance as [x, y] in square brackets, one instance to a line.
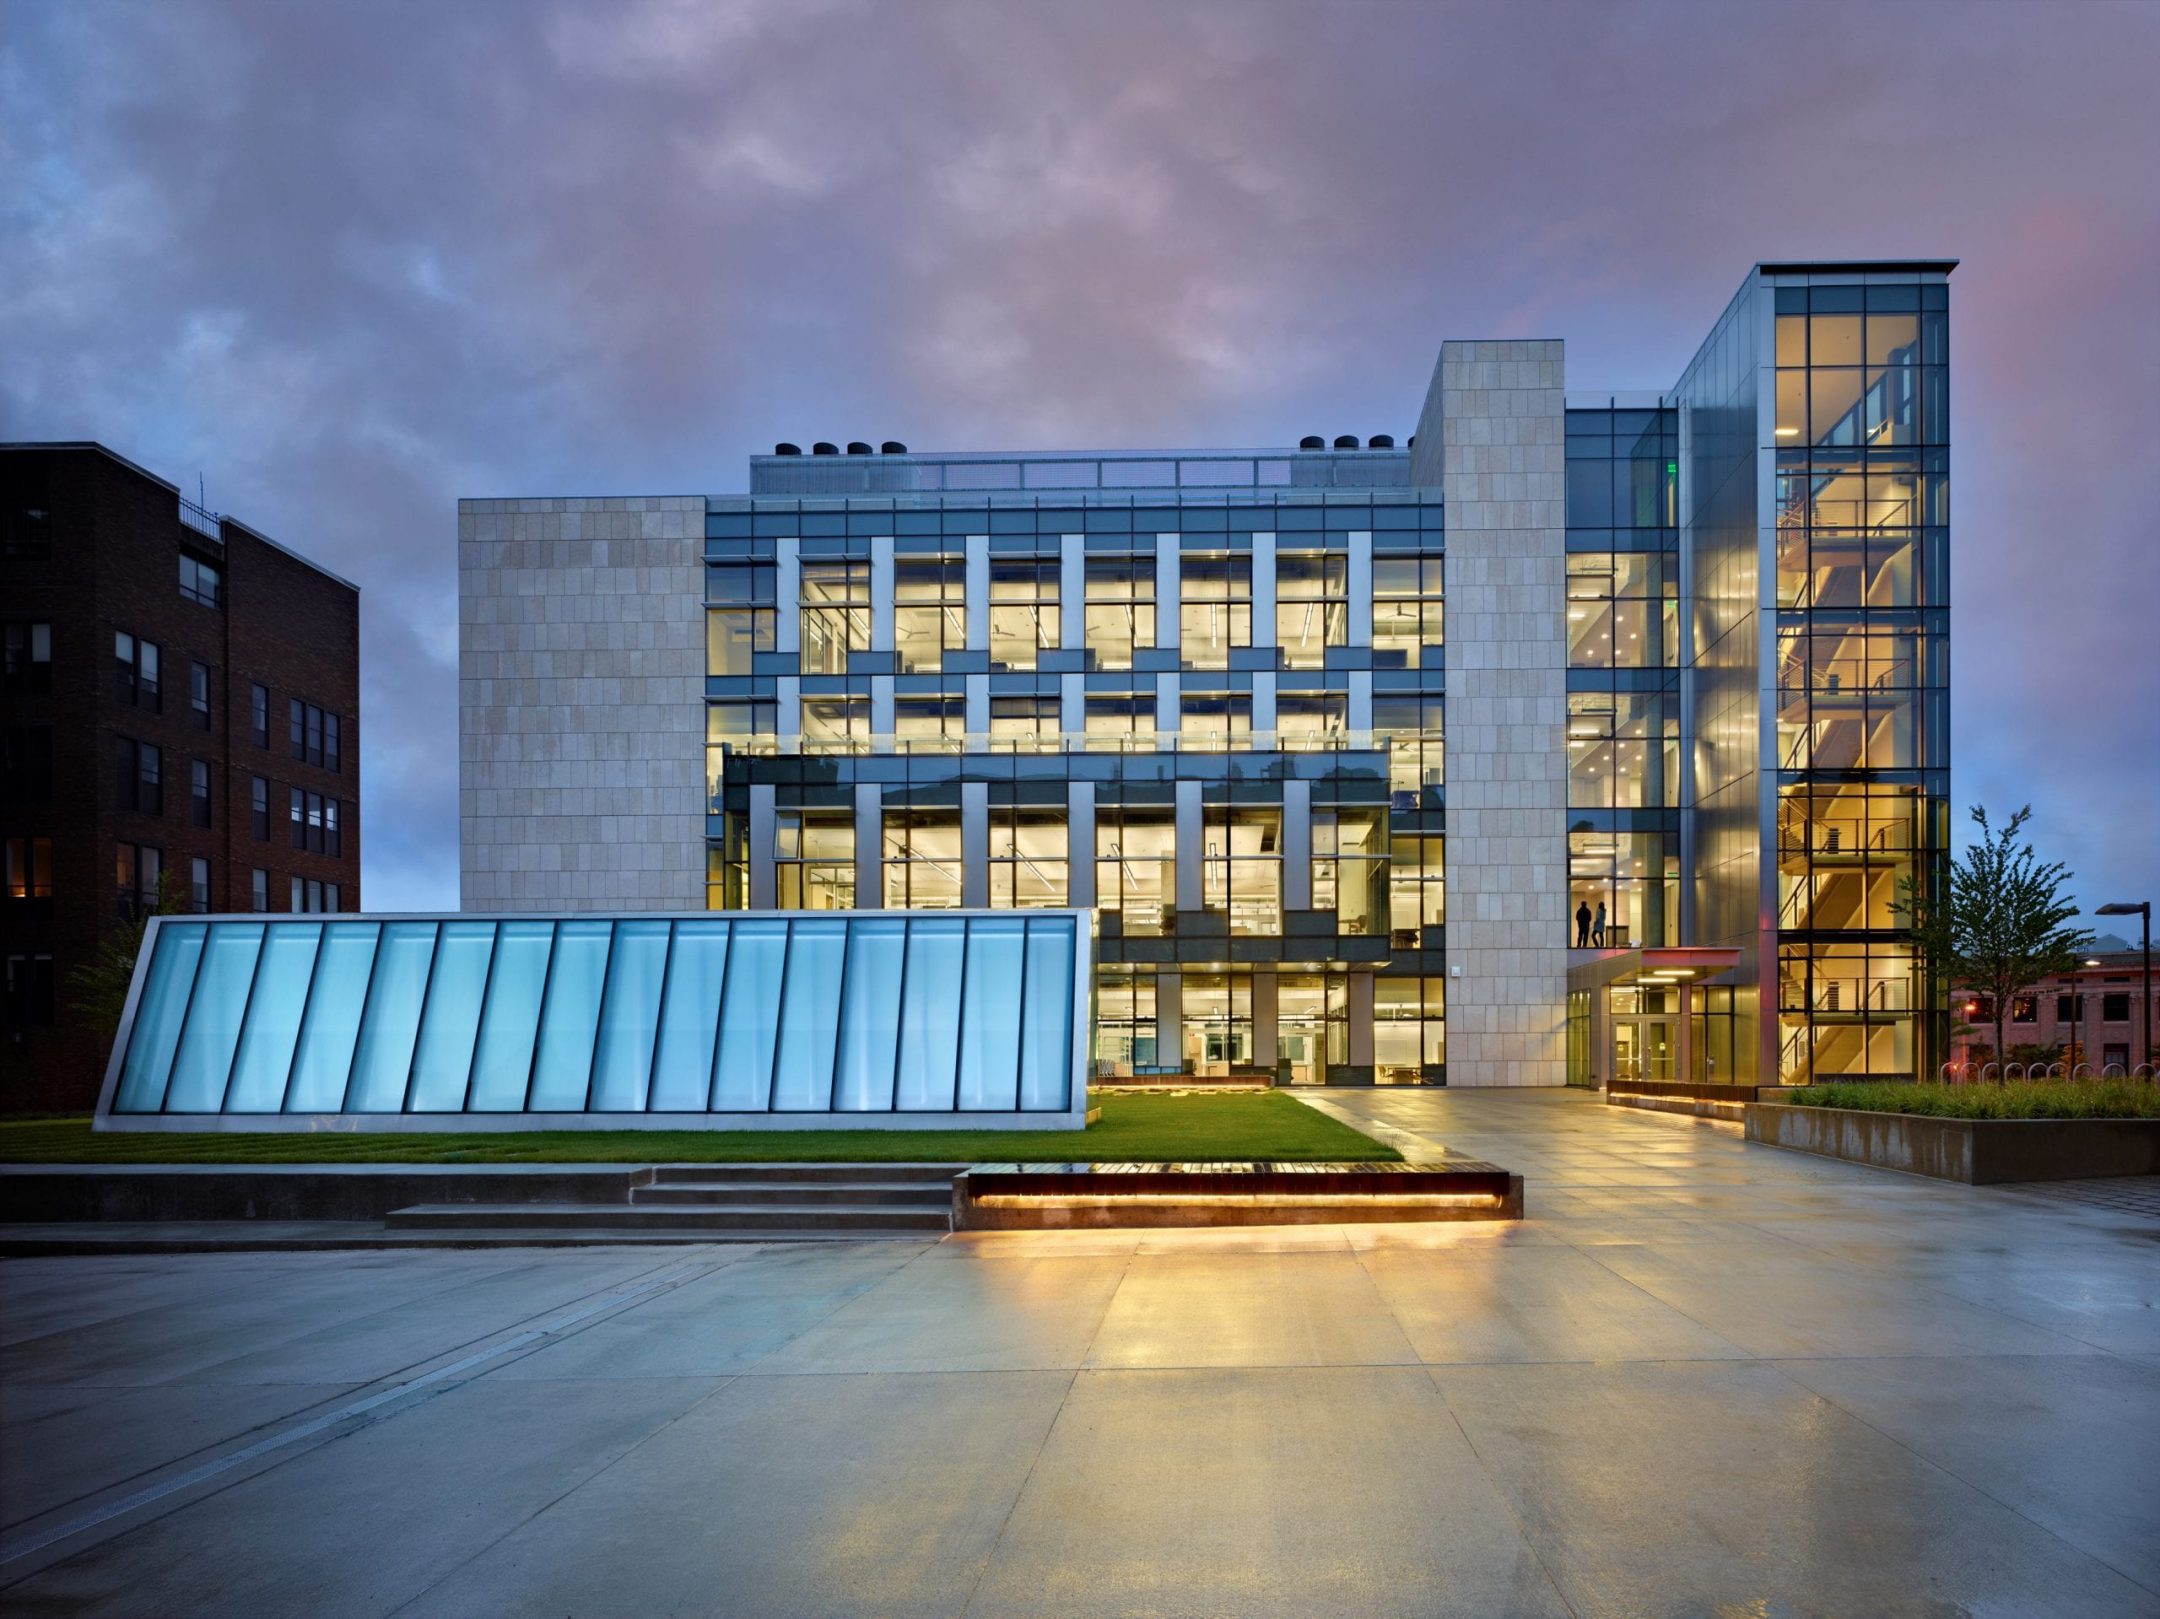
[1249, 1309]
[1958, 1422]
[718, 1325]
[363, 1524]
[782, 1495]
[1533, 1304]
[989, 1315]
[64, 1444]
[2071, 1443]
[1708, 1488]
[1308, 1493]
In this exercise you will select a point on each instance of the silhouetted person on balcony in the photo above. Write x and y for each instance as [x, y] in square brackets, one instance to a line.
[1582, 926]
[1597, 928]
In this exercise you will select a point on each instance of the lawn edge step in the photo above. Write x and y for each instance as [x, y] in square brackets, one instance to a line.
[687, 1217]
[697, 1174]
[903, 1194]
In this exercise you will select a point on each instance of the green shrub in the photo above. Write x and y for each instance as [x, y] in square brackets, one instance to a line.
[2017, 1099]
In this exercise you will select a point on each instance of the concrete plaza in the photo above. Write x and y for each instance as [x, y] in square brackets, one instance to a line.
[1701, 1378]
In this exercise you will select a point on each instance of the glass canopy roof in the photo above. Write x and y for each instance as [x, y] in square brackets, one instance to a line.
[606, 1020]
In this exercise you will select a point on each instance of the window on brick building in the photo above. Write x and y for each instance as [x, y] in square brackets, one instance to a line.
[26, 764]
[135, 878]
[135, 671]
[28, 989]
[139, 772]
[27, 650]
[199, 885]
[201, 582]
[28, 869]
[259, 714]
[2115, 1008]
[259, 889]
[199, 693]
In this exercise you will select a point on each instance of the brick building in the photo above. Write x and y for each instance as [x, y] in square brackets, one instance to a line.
[2100, 1006]
[179, 699]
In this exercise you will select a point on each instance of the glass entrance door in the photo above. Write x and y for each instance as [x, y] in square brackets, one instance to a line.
[1643, 1047]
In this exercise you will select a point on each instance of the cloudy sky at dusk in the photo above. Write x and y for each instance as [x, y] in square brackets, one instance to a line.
[351, 262]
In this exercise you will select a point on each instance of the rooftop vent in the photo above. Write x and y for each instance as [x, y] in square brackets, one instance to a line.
[1312, 441]
[1381, 441]
[823, 448]
[892, 446]
[856, 446]
[787, 449]
[1346, 441]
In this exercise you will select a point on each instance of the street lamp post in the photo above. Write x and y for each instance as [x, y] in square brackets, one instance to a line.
[2142, 909]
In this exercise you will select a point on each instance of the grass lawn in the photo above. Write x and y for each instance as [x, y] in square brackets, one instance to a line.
[1143, 1129]
[2017, 1099]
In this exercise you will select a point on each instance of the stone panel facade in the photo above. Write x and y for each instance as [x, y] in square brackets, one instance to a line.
[581, 704]
[1495, 421]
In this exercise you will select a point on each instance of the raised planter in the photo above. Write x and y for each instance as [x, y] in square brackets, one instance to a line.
[1676, 1096]
[1070, 1197]
[1979, 1152]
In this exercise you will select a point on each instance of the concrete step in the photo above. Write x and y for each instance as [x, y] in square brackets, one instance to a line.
[883, 1194]
[854, 1218]
[733, 1174]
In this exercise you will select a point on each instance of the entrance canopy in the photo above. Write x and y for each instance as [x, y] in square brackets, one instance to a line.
[742, 1020]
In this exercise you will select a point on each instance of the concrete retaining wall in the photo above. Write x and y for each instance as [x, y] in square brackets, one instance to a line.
[1977, 1151]
[77, 1192]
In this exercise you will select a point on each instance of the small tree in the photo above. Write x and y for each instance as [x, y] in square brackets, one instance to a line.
[1998, 925]
[97, 990]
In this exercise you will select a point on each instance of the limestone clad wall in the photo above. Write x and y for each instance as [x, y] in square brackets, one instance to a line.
[581, 704]
[1495, 420]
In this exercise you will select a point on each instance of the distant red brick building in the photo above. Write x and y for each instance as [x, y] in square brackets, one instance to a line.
[179, 698]
[2100, 1007]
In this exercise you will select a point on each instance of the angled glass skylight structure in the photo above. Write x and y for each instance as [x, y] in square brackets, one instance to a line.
[746, 1021]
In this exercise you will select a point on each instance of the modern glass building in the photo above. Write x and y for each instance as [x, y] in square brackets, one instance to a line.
[1577, 736]
[787, 1022]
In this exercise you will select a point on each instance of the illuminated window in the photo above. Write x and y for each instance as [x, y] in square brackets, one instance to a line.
[835, 616]
[1120, 608]
[1406, 613]
[1023, 610]
[1312, 606]
[1215, 609]
[929, 611]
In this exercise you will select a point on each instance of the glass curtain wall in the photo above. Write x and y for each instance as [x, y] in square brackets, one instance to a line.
[1623, 641]
[1862, 486]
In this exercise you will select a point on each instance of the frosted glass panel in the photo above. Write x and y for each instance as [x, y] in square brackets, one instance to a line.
[509, 1023]
[273, 1019]
[451, 1023]
[159, 1012]
[1046, 1030]
[689, 1019]
[990, 1015]
[383, 1062]
[870, 1016]
[570, 1021]
[930, 1021]
[332, 1020]
[628, 1016]
[750, 1017]
[809, 1013]
[213, 1026]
